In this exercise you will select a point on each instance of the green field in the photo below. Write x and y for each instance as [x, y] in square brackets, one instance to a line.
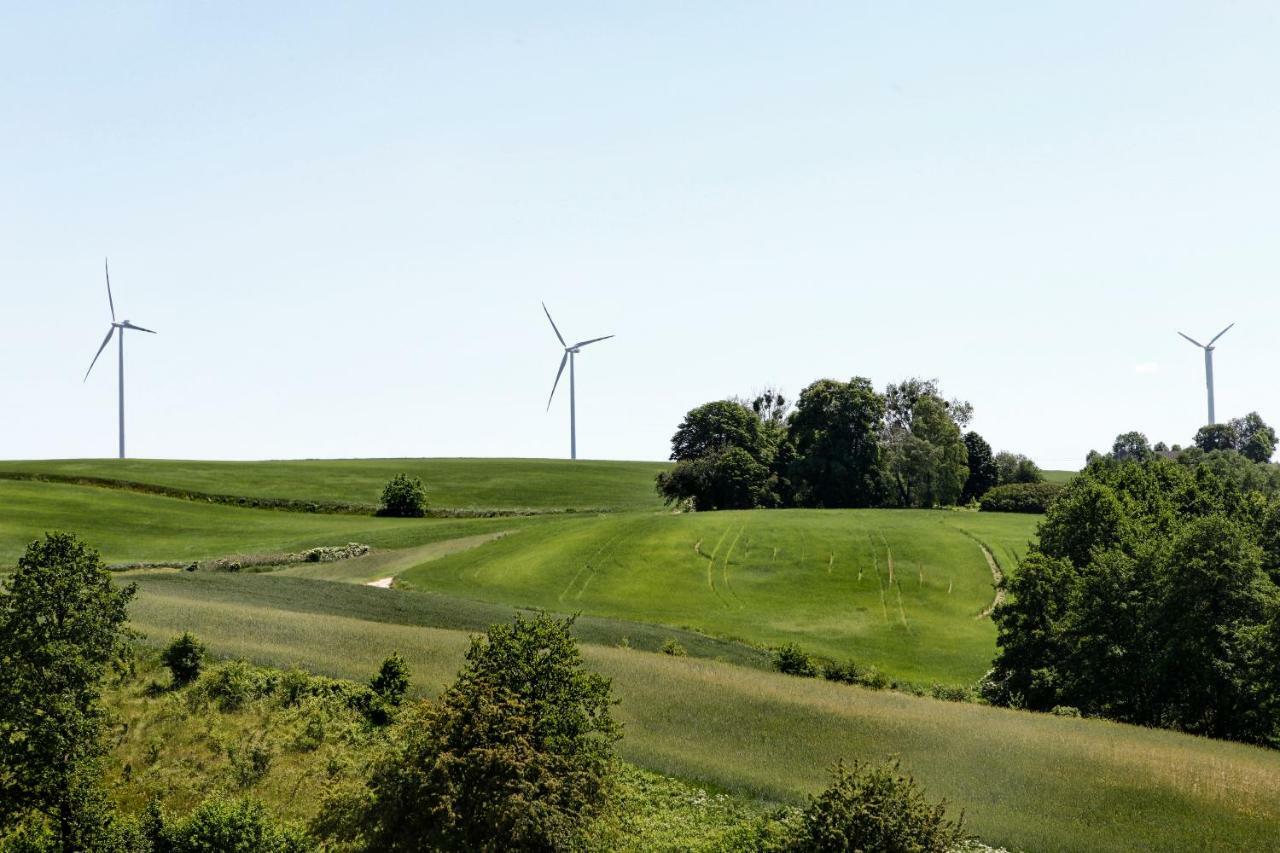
[898, 589]
[126, 526]
[1058, 476]
[1027, 781]
[641, 576]
[490, 484]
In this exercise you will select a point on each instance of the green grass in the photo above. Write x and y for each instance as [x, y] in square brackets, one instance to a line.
[505, 484]
[898, 589]
[125, 526]
[1059, 476]
[1027, 781]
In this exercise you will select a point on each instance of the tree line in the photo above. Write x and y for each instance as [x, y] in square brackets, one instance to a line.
[842, 444]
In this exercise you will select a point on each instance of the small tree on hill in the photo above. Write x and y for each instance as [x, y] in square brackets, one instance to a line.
[1132, 446]
[62, 627]
[185, 658]
[1216, 437]
[875, 809]
[404, 497]
[514, 756]
[392, 680]
[983, 473]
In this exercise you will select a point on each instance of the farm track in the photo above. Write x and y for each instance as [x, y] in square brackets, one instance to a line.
[997, 575]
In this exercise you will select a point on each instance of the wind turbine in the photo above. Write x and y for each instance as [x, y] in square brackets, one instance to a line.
[1208, 364]
[125, 324]
[569, 353]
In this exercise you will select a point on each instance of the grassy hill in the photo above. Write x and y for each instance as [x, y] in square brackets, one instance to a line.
[126, 526]
[1027, 781]
[501, 484]
[898, 589]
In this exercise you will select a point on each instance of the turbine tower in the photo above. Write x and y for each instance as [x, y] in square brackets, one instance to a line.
[569, 353]
[1208, 364]
[125, 324]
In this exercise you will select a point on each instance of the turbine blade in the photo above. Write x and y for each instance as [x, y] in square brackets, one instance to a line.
[564, 358]
[129, 325]
[105, 341]
[1193, 340]
[592, 341]
[553, 326]
[110, 301]
[1220, 334]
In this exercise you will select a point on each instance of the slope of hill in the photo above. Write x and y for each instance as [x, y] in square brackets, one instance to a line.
[902, 590]
[1027, 781]
[491, 484]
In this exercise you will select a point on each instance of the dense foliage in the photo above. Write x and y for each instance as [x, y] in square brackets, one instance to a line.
[1020, 497]
[843, 445]
[62, 629]
[184, 657]
[1151, 598]
[875, 809]
[514, 756]
[404, 497]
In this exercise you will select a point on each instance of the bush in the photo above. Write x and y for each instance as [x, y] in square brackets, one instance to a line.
[948, 693]
[790, 659]
[227, 826]
[185, 658]
[234, 685]
[250, 765]
[404, 498]
[1021, 497]
[672, 647]
[874, 809]
[392, 680]
[844, 673]
[515, 755]
[1065, 711]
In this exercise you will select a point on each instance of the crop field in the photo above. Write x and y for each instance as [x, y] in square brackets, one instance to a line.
[126, 526]
[902, 590]
[721, 585]
[489, 484]
[1027, 781]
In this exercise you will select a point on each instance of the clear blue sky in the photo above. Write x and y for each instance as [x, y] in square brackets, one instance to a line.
[342, 218]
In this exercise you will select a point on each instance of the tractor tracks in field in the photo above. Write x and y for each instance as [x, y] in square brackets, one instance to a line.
[997, 574]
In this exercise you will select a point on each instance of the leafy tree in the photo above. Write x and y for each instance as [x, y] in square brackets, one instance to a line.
[713, 428]
[62, 627]
[727, 479]
[835, 430]
[1131, 445]
[185, 658]
[926, 463]
[1216, 437]
[901, 399]
[514, 756]
[875, 809]
[983, 473]
[392, 680]
[404, 497]
[1255, 440]
[1016, 468]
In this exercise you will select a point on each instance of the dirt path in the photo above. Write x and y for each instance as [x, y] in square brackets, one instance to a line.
[998, 577]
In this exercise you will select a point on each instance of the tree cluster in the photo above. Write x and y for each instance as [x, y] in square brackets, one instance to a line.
[1151, 598]
[843, 444]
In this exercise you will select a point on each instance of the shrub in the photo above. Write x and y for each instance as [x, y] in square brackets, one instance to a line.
[234, 685]
[844, 673]
[515, 755]
[392, 680]
[233, 826]
[1021, 497]
[874, 809]
[873, 678]
[790, 659]
[250, 764]
[185, 658]
[949, 693]
[404, 497]
[1065, 711]
[672, 647]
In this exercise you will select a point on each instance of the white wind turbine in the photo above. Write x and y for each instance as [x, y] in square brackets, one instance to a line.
[125, 324]
[569, 353]
[1208, 364]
